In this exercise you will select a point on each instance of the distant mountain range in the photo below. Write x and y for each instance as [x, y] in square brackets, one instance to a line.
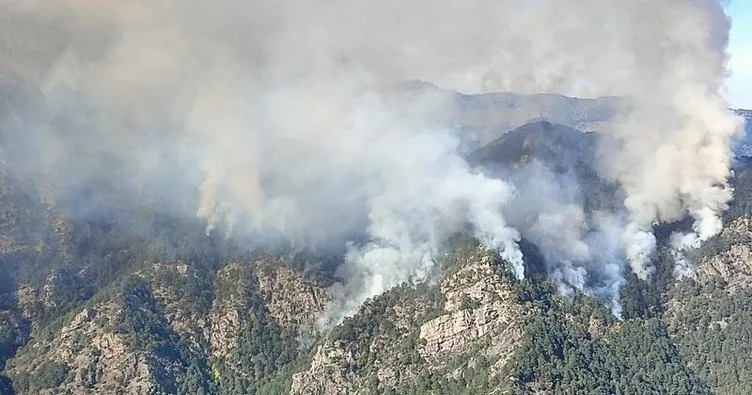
[490, 115]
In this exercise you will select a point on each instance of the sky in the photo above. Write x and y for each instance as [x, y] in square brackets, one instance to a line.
[740, 82]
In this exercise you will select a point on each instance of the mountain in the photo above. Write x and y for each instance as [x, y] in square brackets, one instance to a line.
[487, 116]
[135, 300]
[743, 148]
[556, 144]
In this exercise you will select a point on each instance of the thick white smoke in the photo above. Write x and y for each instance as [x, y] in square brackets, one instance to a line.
[279, 107]
[675, 157]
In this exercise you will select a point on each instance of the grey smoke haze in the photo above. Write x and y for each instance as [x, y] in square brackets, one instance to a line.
[275, 118]
[581, 247]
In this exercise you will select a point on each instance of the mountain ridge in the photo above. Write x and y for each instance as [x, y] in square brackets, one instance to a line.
[152, 305]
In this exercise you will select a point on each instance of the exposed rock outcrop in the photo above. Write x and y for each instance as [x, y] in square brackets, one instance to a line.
[479, 307]
[86, 357]
[93, 353]
[727, 258]
[473, 314]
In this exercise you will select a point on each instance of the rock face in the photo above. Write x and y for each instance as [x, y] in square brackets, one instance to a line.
[168, 282]
[291, 301]
[733, 264]
[478, 307]
[86, 357]
[95, 351]
[328, 373]
[376, 348]
[724, 273]
[472, 313]
[709, 312]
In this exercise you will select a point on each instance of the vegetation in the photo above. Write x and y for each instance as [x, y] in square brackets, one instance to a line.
[713, 331]
[568, 347]
[377, 319]
[576, 347]
[260, 361]
[49, 375]
[474, 379]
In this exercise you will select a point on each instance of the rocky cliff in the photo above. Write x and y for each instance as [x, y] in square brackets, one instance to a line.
[414, 332]
[145, 335]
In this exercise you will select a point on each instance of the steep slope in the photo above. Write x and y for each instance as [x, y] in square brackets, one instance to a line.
[709, 311]
[560, 149]
[494, 335]
[174, 327]
[466, 325]
[557, 146]
[171, 329]
[135, 300]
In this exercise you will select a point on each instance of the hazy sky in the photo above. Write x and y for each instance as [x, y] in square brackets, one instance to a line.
[740, 82]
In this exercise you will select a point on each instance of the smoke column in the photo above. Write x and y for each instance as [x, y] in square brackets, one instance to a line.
[675, 154]
[280, 117]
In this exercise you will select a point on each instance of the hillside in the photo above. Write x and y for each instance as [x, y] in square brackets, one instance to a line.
[135, 300]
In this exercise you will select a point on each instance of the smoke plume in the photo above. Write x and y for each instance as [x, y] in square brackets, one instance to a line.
[277, 121]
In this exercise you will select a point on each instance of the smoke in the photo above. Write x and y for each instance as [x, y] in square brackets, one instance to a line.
[277, 121]
[581, 242]
[707, 224]
[676, 142]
